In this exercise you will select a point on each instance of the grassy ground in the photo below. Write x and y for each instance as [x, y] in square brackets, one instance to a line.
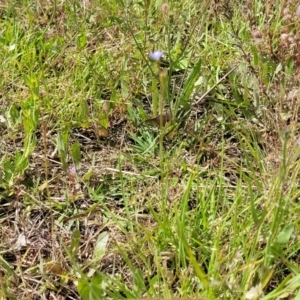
[126, 177]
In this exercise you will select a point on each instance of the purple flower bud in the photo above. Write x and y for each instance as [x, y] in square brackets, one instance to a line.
[156, 55]
[72, 171]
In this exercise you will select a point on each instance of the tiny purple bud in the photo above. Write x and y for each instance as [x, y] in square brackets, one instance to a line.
[156, 55]
[72, 171]
[165, 8]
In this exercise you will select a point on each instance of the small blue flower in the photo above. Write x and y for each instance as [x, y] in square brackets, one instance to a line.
[156, 55]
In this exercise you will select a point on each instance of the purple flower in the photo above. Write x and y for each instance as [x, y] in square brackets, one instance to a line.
[156, 55]
[72, 171]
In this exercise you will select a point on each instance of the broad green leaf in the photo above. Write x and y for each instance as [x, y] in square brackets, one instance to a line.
[75, 243]
[284, 236]
[91, 289]
[189, 85]
[100, 246]
[76, 153]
